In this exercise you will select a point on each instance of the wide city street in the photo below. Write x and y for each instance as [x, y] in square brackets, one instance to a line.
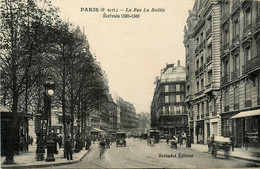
[137, 154]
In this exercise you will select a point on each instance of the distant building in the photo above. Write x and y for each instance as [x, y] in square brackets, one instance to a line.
[168, 109]
[128, 118]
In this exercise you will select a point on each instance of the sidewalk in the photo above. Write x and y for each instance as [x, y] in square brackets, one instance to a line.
[28, 159]
[251, 154]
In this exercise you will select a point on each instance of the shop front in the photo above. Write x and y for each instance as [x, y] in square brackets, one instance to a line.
[23, 138]
[246, 124]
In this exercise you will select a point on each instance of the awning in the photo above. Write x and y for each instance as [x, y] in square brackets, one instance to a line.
[95, 130]
[247, 114]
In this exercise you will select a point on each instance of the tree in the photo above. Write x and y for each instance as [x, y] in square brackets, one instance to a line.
[22, 39]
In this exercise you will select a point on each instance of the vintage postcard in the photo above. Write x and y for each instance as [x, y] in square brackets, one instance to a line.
[130, 83]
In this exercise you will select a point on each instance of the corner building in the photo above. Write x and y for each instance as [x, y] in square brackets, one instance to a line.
[240, 60]
[202, 42]
[168, 109]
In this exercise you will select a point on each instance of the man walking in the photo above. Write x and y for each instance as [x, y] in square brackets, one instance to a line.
[68, 148]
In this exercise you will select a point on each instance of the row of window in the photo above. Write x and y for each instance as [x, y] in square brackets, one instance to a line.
[173, 88]
[174, 109]
[236, 60]
[172, 98]
[247, 94]
[235, 23]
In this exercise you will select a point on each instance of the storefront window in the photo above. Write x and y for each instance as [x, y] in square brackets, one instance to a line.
[251, 128]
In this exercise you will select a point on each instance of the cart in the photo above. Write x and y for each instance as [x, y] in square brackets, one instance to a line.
[220, 143]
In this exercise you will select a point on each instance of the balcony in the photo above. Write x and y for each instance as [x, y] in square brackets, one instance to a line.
[248, 103]
[235, 38]
[225, 80]
[236, 106]
[235, 74]
[209, 58]
[226, 108]
[235, 6]
[247, 28]
[199, 93]
[252, 65]
[225, 17]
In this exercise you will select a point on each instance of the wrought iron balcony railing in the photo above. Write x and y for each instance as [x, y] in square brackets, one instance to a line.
[252, 64]
[235, 6]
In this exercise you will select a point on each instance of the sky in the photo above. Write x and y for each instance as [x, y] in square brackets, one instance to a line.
[132, 51]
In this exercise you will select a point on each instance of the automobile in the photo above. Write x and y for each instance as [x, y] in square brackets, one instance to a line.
[155, 134]
[120, 139]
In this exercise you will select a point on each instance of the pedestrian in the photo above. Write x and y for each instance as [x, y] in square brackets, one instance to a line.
[102, 145]
[88, 143]
[167, 139]
[108, 142]
[246, 141]
[60, 141]
[68, 148]
[232, 142]
[209, 144]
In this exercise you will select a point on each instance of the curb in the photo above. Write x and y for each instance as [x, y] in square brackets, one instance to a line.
[241, 158]
[232, 156]
[47, 164]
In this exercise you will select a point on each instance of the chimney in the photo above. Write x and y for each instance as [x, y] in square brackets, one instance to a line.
[179, 62]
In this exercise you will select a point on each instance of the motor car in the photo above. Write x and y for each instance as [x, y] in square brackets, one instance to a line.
[120, 139]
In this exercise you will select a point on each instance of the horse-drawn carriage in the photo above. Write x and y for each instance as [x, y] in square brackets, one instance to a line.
[221, 143]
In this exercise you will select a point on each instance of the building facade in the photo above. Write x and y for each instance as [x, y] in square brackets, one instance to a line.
[128, 118]
[240, 60]
[168, 109]
[202, 42]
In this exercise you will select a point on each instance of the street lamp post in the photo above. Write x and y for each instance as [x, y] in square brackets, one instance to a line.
[49, 91]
